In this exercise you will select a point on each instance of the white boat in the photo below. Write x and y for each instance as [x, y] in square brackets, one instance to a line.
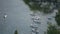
[37, 21]
[33, 26]
[5, 16]
[35, 31]
[35, 17]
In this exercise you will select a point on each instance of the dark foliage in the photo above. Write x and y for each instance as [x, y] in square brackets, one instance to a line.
[52, 30]
[16, 32]
[36, 5]
[57, 18]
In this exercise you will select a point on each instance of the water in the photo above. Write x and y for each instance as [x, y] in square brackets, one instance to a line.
[18, 17]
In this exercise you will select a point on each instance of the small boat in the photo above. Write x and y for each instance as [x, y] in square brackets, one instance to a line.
[32, 14]
[37, 21]
[5, 16]
[33, 26]
[35, 18]
[35, 31]
[49, 18]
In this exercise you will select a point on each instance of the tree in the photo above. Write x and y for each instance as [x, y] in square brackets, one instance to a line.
[39, 5]
[57, 18]
[16, 32]
[45, 7]
[52, 29]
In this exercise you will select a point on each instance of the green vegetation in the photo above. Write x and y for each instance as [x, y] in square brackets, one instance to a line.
[36, 6]
[57, 18]
[16, 32]
[52, 29]
[45, 9]
[26, 1]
